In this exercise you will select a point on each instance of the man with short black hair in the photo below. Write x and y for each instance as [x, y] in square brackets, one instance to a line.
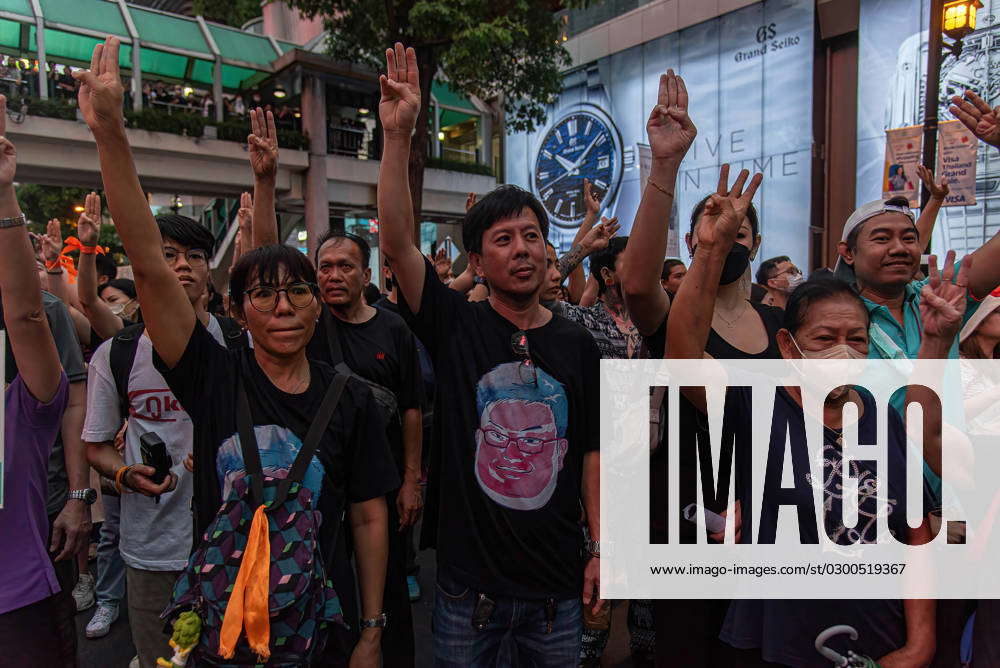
[779, 276]
[377, 346]
[107, 270]
[673, 273]
[517, 420]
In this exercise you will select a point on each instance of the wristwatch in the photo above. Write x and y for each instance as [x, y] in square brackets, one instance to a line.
[88, 495]
[593, 548]
[377, 622]
[580, 140]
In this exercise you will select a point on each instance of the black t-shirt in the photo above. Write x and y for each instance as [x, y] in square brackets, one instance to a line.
[718, 347]
[511, 443]
[352, 464]
[786, 630]
[382, 350]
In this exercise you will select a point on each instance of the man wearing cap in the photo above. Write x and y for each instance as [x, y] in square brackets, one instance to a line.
[880, 255]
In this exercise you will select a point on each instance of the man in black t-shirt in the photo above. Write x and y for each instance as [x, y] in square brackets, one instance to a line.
[379, 347]
[515, 420]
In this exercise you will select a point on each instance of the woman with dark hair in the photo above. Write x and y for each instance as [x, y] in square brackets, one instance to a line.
[824, 319]
[254, 411]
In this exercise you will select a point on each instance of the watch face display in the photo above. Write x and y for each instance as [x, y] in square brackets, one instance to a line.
[581, 144]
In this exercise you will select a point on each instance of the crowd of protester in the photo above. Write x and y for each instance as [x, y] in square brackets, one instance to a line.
[263, 456]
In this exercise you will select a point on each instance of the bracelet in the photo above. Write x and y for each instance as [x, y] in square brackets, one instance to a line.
[651, 182]
[120, 479]
[13, 221]
[52, 265]
[91, 250]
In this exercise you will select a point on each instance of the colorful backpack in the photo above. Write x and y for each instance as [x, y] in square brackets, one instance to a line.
[257, 579]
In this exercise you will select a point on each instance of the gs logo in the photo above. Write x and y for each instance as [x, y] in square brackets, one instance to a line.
[765, 33]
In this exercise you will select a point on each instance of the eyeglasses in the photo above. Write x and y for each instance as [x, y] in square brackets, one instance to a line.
[791, 271]
[264, 298]
[500, 440]
[195, 257]
[519, 346]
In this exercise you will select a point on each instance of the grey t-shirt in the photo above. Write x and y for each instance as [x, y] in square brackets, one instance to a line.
[71, 356]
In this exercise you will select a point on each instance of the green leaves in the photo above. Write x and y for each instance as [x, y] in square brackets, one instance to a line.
[493, 49]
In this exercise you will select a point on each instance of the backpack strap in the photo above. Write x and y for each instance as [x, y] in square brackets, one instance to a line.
[121, 357]
[313, 437]
[251, 454]
[233, 335]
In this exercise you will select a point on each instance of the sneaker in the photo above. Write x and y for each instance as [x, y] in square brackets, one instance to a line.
[413, 586]
[100, 624]
[83, 592]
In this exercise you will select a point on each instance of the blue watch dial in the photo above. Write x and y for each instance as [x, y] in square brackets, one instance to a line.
[580, 145]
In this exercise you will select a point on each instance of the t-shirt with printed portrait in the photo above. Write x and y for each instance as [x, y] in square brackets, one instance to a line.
[504, 494]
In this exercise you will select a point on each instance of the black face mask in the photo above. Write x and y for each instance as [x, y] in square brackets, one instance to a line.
[736, 264]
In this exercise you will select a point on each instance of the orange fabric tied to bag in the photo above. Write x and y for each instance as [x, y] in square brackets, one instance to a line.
[248, 602]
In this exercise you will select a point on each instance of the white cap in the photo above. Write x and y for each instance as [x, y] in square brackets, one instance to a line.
[988, 306]
[861, 214]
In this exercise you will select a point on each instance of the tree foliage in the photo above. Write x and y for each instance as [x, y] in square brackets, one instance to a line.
[508, 51]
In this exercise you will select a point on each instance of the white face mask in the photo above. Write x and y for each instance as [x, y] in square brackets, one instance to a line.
[848, 368]
[795, 281]
[841, 351]
[119, 308]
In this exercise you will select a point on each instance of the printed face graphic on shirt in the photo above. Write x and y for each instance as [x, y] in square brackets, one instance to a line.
[520, 447]
[278, 447]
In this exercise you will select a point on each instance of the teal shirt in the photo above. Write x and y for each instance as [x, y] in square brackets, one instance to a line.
[887, 339]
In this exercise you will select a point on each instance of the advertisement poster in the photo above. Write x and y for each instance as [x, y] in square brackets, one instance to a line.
[902, 155]
[957, 150]
[749, 77]
[892, 57]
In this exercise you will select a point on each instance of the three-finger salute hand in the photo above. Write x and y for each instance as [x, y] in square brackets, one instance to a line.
[670, 129]
[263, 143]
[52, 241]
[943, 297]
[101, 92]
[938, 190]
[88, 225]
[400, 87]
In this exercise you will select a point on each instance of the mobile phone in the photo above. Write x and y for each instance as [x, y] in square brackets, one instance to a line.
[714, 522]
[483, 611]
[154, 453]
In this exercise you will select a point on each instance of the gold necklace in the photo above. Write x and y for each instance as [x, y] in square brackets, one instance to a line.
[729, 322]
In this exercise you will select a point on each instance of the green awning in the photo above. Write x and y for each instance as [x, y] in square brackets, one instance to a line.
[244, 46]
[22, 7]
[172, 46]
[447, 97]
[102, 17]
[10, 34]
[67, 46]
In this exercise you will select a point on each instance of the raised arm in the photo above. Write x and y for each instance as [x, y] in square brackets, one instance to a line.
[166, 310]
[596, 238]
[570, 263]
[691, 317]
[104, 322]
[55, 264]
[398, 110]
[976, 115]
[671, 134]
[263, 143]
[929, 214]
[27, 327]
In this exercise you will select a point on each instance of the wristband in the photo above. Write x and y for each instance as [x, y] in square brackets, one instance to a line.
[52, 265]
[656, 185]
[120, 479]
[91, 250]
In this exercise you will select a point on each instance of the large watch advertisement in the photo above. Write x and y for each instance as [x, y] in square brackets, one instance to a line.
[749, 75]
[891, 63]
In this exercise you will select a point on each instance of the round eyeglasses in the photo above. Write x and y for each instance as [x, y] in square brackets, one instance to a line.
[264, 298]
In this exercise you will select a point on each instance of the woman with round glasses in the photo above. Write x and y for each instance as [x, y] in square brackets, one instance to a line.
[273, 292]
